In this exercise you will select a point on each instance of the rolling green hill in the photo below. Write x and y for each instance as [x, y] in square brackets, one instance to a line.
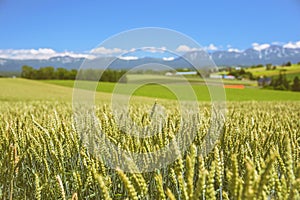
[291, 71]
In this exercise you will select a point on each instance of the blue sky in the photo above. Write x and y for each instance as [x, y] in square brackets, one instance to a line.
[81, 25]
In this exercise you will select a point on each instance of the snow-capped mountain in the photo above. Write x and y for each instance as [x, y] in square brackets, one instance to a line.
[274, 54]
[64, 62]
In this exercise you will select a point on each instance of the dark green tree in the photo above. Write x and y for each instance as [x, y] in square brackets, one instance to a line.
[27, 72]
[268, 66]
[296, 84]
[242, 72]
[61, 73]
[280, 83]
[288, 64]
[46, 73]
[72, 74]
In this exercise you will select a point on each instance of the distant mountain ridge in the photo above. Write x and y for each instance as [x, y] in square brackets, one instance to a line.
[274, 54]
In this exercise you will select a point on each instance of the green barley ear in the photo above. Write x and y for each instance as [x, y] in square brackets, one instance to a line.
[282, 167]
[248, 190]
[172, 178]
[61, 187]
[200, 184]
[77, 180]
[102, 185]
[128, 185]
[170, 194]
[279, 188]
[219, 170]
[140, 183]
[190, 163]
[261, 187]
[46, 166]
[289, 160]
[210, 194]
[235, 183]
[159, 186]
[138, 179]
[179, 169]
[182, 185]
[37, 186]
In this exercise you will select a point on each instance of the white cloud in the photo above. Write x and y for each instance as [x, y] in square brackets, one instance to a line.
[105, 51]
[41, 53]
[75, 55]
[259, 47]
[234, 50]
[168, 58]
[27, 53]
[132, 50]
[185, 48]
[110, 52]
[128, 57]
[292, 45]
[154, 49]
[211, 47]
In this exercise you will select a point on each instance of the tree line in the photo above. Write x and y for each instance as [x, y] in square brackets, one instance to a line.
[282, 83]
[48, 73]
[241, 73]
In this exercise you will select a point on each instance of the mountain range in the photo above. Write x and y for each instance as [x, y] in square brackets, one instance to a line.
[274, 54]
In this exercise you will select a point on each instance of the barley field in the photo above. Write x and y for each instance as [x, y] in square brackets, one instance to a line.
[257, 156]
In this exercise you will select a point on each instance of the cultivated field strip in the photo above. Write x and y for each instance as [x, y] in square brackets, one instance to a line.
[257, 157]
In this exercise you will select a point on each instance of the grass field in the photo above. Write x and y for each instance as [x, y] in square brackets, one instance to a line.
[290, 77]
[43, 154]
[193, 79]
[59, 90]
[22, 90]
[156, 91]
[294, 69]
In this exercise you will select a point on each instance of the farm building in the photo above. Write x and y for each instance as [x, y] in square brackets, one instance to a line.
[215, 76]
[264, 81]
[169, 74]
[186, 73]
[229, 77]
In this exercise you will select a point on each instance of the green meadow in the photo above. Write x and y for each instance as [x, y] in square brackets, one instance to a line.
[201, 91]
[61, 90]
[289, 71]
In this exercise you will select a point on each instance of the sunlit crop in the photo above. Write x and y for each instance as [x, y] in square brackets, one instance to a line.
[257, 156]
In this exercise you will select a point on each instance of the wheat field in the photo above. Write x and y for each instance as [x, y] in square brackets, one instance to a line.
[257, 156]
